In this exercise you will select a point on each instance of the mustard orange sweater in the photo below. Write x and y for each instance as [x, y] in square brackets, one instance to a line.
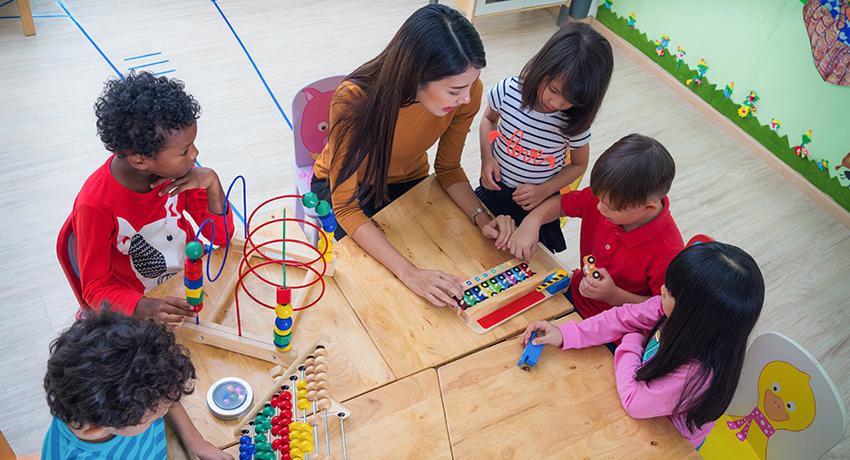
[416, 130]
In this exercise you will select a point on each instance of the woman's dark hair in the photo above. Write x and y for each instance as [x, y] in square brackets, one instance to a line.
[583, 58]
[719, 290]
[634, 170]
[435, 42]
[109, 370]
[138, 113]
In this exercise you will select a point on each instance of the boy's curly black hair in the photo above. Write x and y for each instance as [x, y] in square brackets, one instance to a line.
[109, 370]
[136, 114]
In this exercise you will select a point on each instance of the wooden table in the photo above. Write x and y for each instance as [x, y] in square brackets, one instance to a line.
[385, 344]
[566, 407]
[426, 227]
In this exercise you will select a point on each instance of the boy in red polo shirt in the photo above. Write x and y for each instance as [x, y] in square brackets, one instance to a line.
[625, 224]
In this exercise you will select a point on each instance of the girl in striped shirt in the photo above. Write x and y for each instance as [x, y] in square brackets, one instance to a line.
[535, 131]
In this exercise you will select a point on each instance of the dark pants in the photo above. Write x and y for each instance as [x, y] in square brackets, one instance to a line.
[322, 188]
[501, 202]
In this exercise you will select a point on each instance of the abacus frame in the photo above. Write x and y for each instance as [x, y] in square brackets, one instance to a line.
[280, 376]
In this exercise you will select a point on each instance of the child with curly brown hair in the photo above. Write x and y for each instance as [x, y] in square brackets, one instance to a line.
[111, 380]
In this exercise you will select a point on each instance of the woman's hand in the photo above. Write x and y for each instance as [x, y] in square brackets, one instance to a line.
[500, 229]
[547, 333]
[435, 286]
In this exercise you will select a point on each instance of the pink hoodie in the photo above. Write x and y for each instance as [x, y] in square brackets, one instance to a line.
[632, 323]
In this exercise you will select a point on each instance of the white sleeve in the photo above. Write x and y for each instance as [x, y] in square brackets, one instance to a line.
[496, 95]
[579, 140]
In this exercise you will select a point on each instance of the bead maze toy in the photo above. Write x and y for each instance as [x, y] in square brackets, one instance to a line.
[530, 354]
[288, 418]
[502, 292]
[255, 253]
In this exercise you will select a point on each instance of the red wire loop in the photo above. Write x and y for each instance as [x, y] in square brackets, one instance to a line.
[252, 269]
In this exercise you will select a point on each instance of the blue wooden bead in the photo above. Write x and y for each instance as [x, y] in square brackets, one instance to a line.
[283, 324]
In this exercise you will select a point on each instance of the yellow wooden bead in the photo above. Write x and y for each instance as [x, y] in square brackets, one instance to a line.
[194, 292]
[283, 311]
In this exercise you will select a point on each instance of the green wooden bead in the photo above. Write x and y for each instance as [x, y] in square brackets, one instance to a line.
[323, 208]
[310, 200]
[194, 250]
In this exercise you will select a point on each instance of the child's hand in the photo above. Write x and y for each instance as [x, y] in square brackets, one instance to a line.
[490, 173]
[547, 333]
[523, 243]
[500, 228]
[171, 311]
[602, 289]
[201, 449]
[528, 196]
[196, 178]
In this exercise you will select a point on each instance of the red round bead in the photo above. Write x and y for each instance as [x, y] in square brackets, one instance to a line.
[276, 420]
[286, 395]
[275, 430]
[276, 444]
[284, 455]
[275, 402]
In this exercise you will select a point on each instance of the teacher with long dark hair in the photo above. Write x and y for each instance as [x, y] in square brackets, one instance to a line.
[421, 89]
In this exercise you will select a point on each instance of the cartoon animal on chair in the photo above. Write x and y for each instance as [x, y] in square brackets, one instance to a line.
[794, 413]
[314, 121]
[786, 402]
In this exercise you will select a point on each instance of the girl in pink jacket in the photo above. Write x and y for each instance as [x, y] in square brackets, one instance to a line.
[680, 353]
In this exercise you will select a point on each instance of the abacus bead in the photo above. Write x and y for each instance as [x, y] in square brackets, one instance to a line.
[285, 456]
[244, 456]
[324, 404]
[286, 396]
[323, 394]
[245, 439]
[310, 200]
[259, 439]
[268, 411]
[276, 444]
[314, 419]
[323, 208]
[194, 250]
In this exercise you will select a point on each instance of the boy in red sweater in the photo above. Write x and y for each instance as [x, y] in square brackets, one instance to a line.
[625, 224]
[128, 217]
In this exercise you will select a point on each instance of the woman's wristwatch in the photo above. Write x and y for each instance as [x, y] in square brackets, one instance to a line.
[479, 210]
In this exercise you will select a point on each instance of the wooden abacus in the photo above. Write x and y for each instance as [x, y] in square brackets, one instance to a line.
[509, 289]
[297, 391]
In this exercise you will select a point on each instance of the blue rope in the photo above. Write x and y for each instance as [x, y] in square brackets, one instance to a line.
[227, 206]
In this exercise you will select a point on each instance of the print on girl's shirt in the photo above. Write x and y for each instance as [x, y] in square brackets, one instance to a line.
[156, 250]
[530, 156]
